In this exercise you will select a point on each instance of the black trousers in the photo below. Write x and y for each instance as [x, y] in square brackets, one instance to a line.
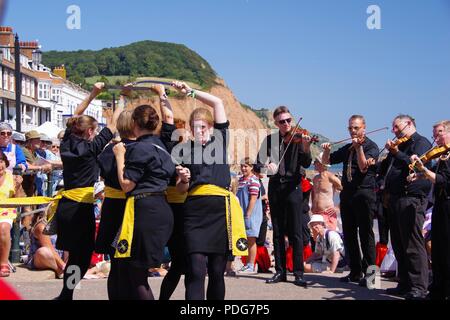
[440, 249]
[357, 209]
[287, 214]
[382, 218]
[406, 218]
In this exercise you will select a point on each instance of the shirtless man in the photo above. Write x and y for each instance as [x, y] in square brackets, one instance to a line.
[324, 185]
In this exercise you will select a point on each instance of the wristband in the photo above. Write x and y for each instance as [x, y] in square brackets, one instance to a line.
[191, 93]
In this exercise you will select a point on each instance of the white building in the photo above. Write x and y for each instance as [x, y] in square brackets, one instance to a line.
[62, 97]
[46, 96]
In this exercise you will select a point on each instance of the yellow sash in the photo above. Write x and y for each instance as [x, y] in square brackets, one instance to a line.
[173, 196]
[112, 193]
[82, 195]
[237, 237]
[123, 247]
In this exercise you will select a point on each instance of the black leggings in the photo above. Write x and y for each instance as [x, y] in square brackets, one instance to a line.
[118, 280]
[132, 281]
[76, 268]
[197, 265]
[172, 278]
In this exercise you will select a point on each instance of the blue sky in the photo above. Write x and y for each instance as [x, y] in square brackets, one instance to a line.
[316, 57]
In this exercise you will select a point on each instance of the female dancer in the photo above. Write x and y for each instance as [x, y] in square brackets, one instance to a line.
[75, 219]
[114, 205]
[211, 219]
[144, 170]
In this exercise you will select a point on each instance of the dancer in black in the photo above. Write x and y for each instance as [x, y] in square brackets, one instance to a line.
[114, 206]
[144, 169]
[174, 198]
[75, 213]
[206, 176]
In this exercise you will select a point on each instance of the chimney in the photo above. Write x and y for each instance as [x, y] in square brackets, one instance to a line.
[60, 71]
[6, 36]
[27, 48]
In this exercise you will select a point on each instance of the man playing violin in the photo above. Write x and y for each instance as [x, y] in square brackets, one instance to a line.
[285, 194]
[406, 206]
[358, 197]
[440, 235]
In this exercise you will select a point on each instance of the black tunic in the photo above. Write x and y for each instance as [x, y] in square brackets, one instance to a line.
[148, 164]
[440, 233]
[396, 170]
[76, 221]
[112, 209]
[204, 216]
[359, 180]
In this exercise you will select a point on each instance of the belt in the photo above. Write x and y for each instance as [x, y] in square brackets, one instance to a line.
[286, 180]
[148, 194]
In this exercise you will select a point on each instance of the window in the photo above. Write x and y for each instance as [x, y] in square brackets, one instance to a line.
[5, 80]
[11, 82]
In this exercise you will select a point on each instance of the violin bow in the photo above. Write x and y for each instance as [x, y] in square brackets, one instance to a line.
[348, 139]
[290, 140]
[133, 85]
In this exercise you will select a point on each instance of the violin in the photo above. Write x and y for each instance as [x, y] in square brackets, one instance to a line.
[399, 141]
[431, 154]
[295, 136]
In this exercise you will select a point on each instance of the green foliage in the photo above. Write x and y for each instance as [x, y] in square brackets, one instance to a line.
[139, 59]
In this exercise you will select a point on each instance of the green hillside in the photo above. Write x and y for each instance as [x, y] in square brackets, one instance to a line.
[139, 59]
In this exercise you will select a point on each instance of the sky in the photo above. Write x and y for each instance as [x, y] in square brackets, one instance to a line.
[319, 58]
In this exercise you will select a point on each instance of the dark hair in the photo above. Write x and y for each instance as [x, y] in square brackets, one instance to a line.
[145, 117]
[280, 110]
[80, 124]
[357, 116]
[4, 158]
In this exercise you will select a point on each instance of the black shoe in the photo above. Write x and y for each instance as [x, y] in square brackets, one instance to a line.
[299, 281]
[397, 291]
[278, 277]
[363, 282]
[352, 278]
[415, 295]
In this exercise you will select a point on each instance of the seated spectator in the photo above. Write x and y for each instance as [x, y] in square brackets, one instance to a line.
[14, 153]
[328, 256]
[18, 139]
[43, 254]
[9, 188]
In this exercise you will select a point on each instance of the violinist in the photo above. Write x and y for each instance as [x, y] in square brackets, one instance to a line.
[440, 236]
[407, 204]
[285, 194]
[358, 197]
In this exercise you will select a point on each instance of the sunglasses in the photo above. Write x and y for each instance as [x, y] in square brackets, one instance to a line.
[288, 120]
[6, 133]
[55, 147]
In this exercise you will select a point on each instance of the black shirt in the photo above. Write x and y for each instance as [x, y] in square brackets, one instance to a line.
[294, 158]
[208, 163]
[166, 138]
[79, 158]
[359, 179]
[442, 185]
[108, 165]
[148, 164]
[395, 179]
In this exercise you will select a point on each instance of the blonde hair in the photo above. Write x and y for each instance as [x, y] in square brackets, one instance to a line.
[201, 114]
[444, 123]
[125, 124]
